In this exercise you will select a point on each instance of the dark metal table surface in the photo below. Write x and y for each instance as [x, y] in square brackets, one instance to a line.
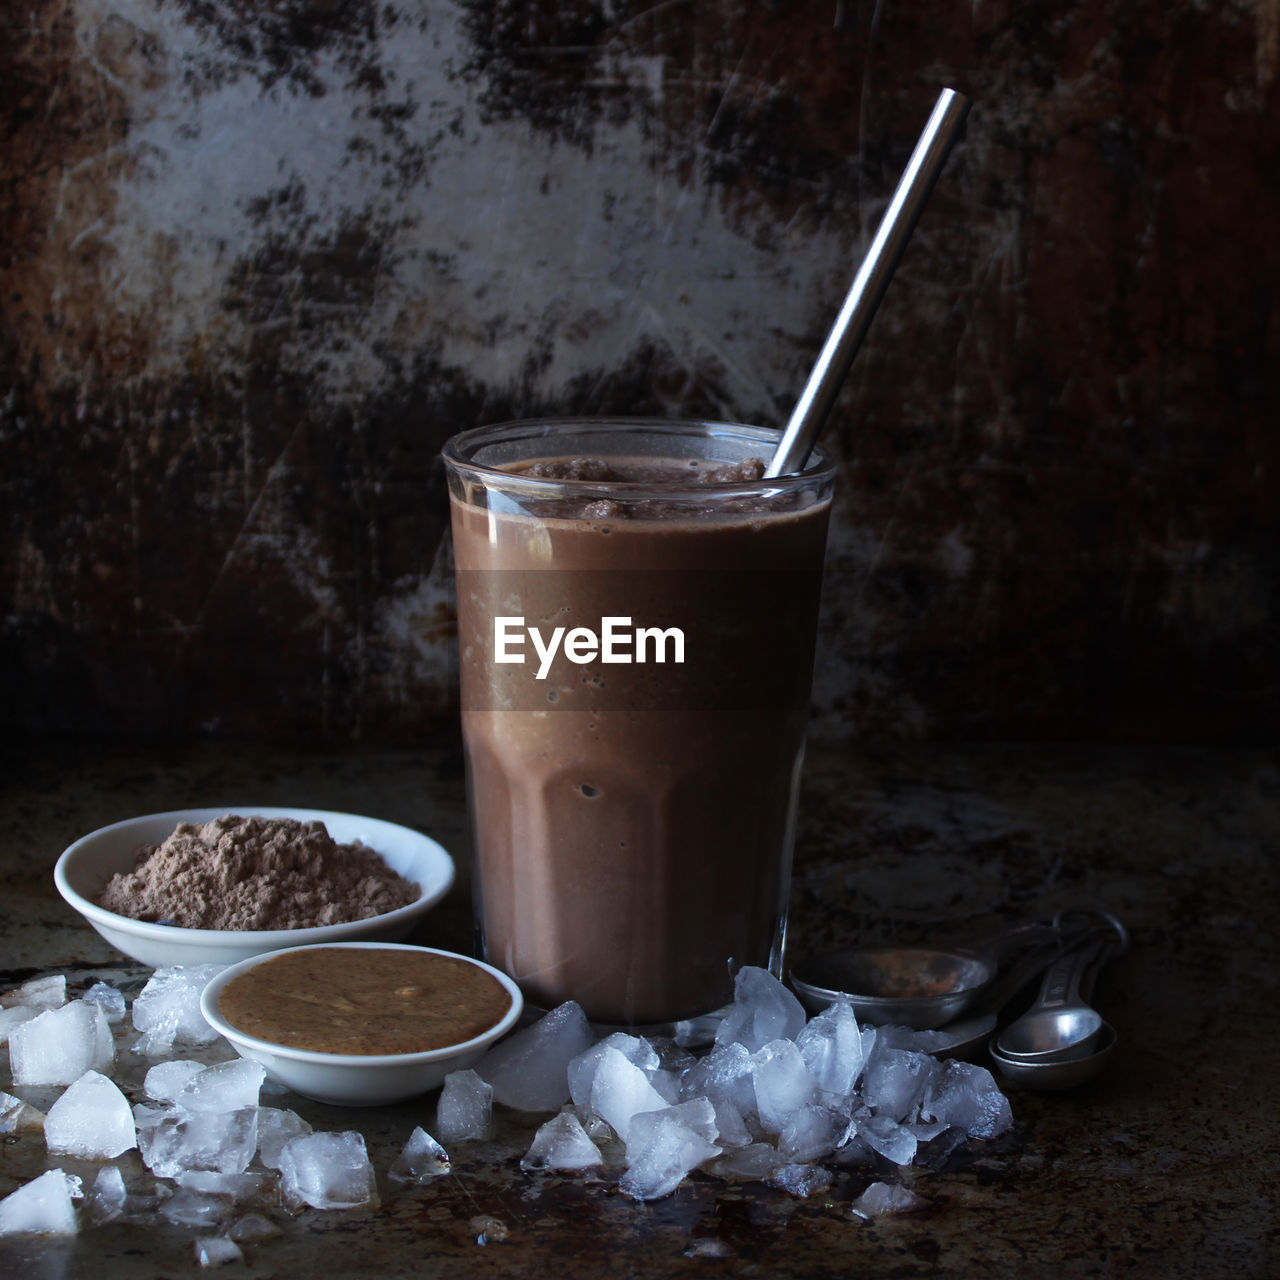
[1165, 1166]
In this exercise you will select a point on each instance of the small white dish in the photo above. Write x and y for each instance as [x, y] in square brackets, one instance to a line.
[352, 1079]
[85, 867]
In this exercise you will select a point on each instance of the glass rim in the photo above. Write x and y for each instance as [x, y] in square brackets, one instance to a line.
[820, 467]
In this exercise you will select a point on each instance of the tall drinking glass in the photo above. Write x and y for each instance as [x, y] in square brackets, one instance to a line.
[636, 622]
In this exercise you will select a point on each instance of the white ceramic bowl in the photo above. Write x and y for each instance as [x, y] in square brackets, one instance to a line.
[85, 867]
[352, 1079]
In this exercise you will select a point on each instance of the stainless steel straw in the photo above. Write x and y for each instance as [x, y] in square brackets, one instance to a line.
[870, 283]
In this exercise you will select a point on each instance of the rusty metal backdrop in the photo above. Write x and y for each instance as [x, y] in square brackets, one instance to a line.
[259, 260]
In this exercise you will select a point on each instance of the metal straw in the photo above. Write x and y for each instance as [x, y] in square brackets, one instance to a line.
[870, 283]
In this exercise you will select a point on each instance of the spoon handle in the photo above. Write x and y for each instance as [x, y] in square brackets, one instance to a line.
[1062, 980]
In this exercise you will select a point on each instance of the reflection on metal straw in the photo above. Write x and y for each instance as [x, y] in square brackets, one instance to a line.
[870, 283]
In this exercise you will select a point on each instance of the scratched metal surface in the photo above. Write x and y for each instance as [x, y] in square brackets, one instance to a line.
[258, 261]
[1164, 1168]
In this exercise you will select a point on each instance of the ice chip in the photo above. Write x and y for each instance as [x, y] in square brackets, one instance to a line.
[174, 1141]
[46, 992]
[421, 1160]
[801, 1179]
[165, 1080]
[167, 1009]
[562, 1143]
[109, 998]
[883, 1197]
[529, 1070]
[731, 1125]
[896, 1080]
[15, 1017]
[251, 1228]
[891, 1139]
[17, 1116]
[966, 1096]
[751, 1163]
[697, 1115]
[276, 1125]
[327, 1171]
[621, 1090]
[763, 1010]
[215, 1251]
[724, 1076]
[60, 1045]
[661, 1149]
[91, 1119]
[782, 1083]
[41, 1205]
[582, 1069]
[464, 1112]
[253, 1186]
[811, 1132]
[108, 1196]
[225, 1086]
[488, 1229]
[832, 1048]
[190, 1208]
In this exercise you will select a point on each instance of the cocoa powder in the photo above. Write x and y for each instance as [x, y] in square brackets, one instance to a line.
[256, 873]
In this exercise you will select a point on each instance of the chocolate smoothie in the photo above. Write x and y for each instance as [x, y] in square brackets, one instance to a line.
[633, 819]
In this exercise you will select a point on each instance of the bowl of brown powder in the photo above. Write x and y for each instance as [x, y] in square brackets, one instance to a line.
[216, 886]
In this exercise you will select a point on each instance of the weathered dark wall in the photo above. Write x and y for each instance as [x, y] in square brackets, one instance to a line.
[259, 261]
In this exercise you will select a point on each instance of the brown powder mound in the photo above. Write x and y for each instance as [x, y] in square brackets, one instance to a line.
[256, 873]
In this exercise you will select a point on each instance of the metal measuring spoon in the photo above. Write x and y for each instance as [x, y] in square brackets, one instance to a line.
[925, 988]
[1061, 1023]
[1076, 1065]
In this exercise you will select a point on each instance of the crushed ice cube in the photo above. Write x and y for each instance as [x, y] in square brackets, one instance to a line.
[697, 1114]
[464, 1112]
[621, 1090]
[966, 1096]
[801, 1179]
[215, 1251]
[91, 1119]
[724, 1076]
[896, 1080]
[276, 1125]
[763, 1010]
[252, 1186]
[108, 1196]
[422, 1159]
[190, 1208]
[489, 1230]
[167, 1009]
[165, 1080]
[811, 1132]
[109, 998]
[562, 1144]
[225, 1086]
[42, 1205]
[883, 1197]
[754, 1162]
[894, 1141]
[529, 1070]
[172, 1141]
[327, 1171]
[251, 1228]
[582, 1069]
[46, 992]
[831, 1045]
[15, 1017]
[782, 1083]
[663, 1146]
[17, 1116]
[61, 1044]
